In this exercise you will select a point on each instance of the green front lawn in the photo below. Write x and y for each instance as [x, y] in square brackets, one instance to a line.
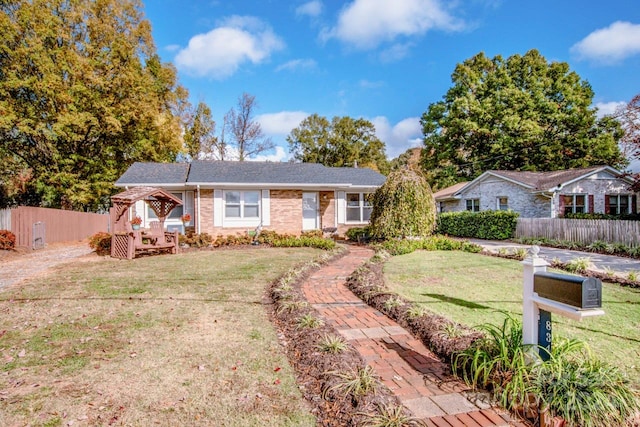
[472, 288]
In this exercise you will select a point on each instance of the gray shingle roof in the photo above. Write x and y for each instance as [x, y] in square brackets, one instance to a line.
[546, 180]
[154, 173]
[255, 173]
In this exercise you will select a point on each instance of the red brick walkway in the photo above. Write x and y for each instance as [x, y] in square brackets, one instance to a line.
[405, 365]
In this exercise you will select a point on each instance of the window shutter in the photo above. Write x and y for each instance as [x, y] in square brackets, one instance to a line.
[634, 204]
[341, 207]
[217, 208]
[607, 204]
[592, 204]
[560, 206]
[266, 208]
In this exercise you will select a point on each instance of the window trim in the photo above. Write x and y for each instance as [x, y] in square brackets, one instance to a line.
[585, 205]
[475, 205]
[361, 207]
[618, 197]
[499, 206]
[242, 220]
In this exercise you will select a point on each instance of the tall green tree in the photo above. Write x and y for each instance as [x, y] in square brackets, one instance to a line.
[519, 113]
[83, 94]
[342, 142]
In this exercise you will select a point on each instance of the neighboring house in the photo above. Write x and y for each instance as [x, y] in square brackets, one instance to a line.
[598, 189]
[227, 197]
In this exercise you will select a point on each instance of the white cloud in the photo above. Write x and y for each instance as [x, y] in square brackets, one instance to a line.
[297, 64]
[400, 137]
[365, 24]
[606, 108]
[279, 155]
[221, 51]
[609, 45]
[312, 9]
[281, 123]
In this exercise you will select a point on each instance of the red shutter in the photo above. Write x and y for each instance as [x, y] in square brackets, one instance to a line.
[592, 205]
[560, 206]
[607, 204]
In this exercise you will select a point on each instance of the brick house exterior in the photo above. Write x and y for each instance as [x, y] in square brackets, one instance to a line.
[599, 189]
[227, 197]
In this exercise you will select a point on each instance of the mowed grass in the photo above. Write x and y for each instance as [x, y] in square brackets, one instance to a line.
[163, 341]
[471, 289]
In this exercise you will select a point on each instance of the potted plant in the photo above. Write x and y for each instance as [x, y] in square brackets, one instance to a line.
[186, 219]
[135, 222]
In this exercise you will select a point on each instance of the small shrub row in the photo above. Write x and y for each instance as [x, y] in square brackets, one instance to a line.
[101, 243]
[7, 240]
[433, 243]
[311, 239]
[442, 336]
[597, 246]
[488, 225]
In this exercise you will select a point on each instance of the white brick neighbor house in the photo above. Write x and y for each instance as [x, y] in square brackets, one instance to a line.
[598, 189]
[228, 197]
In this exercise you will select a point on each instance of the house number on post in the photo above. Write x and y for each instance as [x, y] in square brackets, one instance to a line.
[545, 293]
[544, 334]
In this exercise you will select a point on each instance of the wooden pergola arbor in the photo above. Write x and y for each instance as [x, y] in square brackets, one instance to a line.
[126, 242]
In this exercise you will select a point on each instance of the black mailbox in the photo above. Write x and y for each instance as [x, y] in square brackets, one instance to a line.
[581, 292]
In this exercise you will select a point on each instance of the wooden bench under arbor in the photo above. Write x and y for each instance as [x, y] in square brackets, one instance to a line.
[127, 242]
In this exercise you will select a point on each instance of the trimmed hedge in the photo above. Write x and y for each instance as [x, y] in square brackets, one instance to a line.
[488, 225]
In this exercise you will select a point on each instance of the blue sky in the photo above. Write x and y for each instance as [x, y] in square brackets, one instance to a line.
[384, 60]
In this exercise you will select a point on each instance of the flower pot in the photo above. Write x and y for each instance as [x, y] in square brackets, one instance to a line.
[135, 226]
[186, 223]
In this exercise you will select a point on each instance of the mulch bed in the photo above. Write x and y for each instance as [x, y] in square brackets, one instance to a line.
[316, 370]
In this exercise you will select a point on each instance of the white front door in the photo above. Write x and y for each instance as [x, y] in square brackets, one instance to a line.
[310, 211]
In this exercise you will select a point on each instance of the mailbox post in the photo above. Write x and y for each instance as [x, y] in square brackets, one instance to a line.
[545, 293]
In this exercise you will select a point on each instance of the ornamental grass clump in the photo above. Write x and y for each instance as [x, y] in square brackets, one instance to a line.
[403, 207]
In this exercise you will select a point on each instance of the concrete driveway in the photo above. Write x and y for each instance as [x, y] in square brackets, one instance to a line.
[620, 265]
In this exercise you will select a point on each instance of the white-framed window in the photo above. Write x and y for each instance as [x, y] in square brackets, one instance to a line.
[502, 203]
[574, 203]
[175, 213]
[359, 207]
[473, 205]
[241, 204]
[618, 204]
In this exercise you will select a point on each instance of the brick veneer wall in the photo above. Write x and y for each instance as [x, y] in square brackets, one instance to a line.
[286, 213]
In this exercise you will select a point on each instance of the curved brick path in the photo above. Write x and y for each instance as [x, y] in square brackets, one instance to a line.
[412, 372]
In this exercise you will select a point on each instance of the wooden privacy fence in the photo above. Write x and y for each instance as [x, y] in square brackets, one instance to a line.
[35, 227]
[583, 231]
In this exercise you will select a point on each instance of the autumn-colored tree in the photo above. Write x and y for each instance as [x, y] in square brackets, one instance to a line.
[83, 94]
[199, 136]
